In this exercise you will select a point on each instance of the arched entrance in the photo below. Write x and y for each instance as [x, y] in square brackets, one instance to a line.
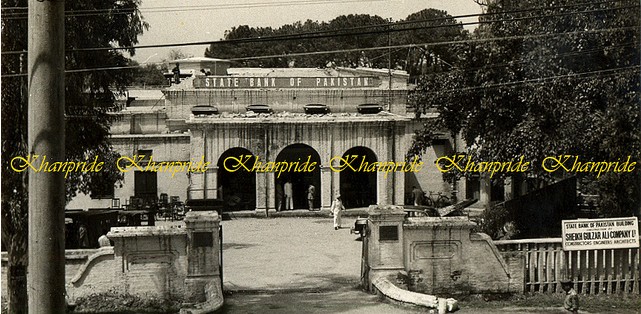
[236, 188]
[300, 180]
[358, 188]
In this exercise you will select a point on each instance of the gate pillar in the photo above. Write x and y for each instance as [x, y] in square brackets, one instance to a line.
[203, 256]
[385, 241]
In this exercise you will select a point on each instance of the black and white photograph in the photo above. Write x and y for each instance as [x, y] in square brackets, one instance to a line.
[320, 156]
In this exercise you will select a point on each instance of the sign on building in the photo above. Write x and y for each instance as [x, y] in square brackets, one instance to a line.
[231, 82]
[606, 233]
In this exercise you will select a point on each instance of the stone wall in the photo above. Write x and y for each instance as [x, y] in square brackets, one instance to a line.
[156, 262]
[440, 255]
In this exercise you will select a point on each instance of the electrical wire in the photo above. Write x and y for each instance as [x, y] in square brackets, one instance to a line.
[351, 50]
[333, 33]
[121, 11]
[612, 71]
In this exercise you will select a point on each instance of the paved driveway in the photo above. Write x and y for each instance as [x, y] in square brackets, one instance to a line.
[289, 254]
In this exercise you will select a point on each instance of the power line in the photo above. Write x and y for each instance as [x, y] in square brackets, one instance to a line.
[433, 44]
[76, 13]
[333, 33]
[612, 71]
[500, 65]
[397, 47]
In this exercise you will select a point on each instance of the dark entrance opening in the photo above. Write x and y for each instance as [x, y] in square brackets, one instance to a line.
[301, 180]
[358, 188]
[236, 188]
[146, 188]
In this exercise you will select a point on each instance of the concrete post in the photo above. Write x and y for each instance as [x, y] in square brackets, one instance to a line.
[46, 137]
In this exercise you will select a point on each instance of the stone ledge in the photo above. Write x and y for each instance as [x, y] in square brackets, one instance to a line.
[146, 231]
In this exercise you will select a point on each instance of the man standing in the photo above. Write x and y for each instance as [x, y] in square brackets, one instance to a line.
[289, 202]
[176, 71]
[83, 237]
[337, 209]
[311, 190]
[417, 195]
[279, 197]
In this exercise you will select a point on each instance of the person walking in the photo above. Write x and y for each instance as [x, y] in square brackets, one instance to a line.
[289, 194]
[337, 209]
[311, 191]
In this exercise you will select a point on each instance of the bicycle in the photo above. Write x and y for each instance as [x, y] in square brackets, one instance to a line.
[441, 200]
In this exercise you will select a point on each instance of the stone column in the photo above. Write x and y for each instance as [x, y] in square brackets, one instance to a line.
[326, 187]
[486, 191]
[261, 193]
[203, 254]
[196, 189]
[211, 183]
[385, 240]
[271, 193]
[382, 188]
[399, 188]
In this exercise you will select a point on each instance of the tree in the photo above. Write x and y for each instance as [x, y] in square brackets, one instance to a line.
[341, 36]
[177, 54]
[89, 96]
[547, 79]
[149, 74]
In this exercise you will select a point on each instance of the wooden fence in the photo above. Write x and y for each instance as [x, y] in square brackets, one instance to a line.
[610, 271]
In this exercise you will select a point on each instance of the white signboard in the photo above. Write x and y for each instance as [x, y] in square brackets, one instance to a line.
[607, 233]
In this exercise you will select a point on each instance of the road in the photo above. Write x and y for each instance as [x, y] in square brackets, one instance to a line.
[303, 265]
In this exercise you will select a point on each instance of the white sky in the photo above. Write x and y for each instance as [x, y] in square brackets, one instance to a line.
[207, 24]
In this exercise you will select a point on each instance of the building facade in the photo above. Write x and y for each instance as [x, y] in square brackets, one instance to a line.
[342, 130]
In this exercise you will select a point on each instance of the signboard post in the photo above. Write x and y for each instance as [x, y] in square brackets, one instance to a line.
[606, 233]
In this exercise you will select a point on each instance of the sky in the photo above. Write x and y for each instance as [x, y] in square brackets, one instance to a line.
[172, 21]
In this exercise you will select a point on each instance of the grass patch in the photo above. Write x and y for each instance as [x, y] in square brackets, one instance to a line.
[111, 302]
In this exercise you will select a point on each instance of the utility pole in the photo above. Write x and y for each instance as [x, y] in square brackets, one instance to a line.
[46, 125]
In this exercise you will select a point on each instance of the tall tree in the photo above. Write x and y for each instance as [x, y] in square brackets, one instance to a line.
[89, 96]
[424, 26]
[547, 79]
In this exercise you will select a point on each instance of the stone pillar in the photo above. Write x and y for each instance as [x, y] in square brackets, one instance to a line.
[197, 186]
[196, 189]
[211, 183]
[336, 182]
[326, 188]
[385, 240]
[261, 193]
[486, 191]
[382, 188]
[203, 254]
[271, 193]
[399, 188]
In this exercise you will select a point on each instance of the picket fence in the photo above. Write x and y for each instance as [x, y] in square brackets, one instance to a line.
[609, 271]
